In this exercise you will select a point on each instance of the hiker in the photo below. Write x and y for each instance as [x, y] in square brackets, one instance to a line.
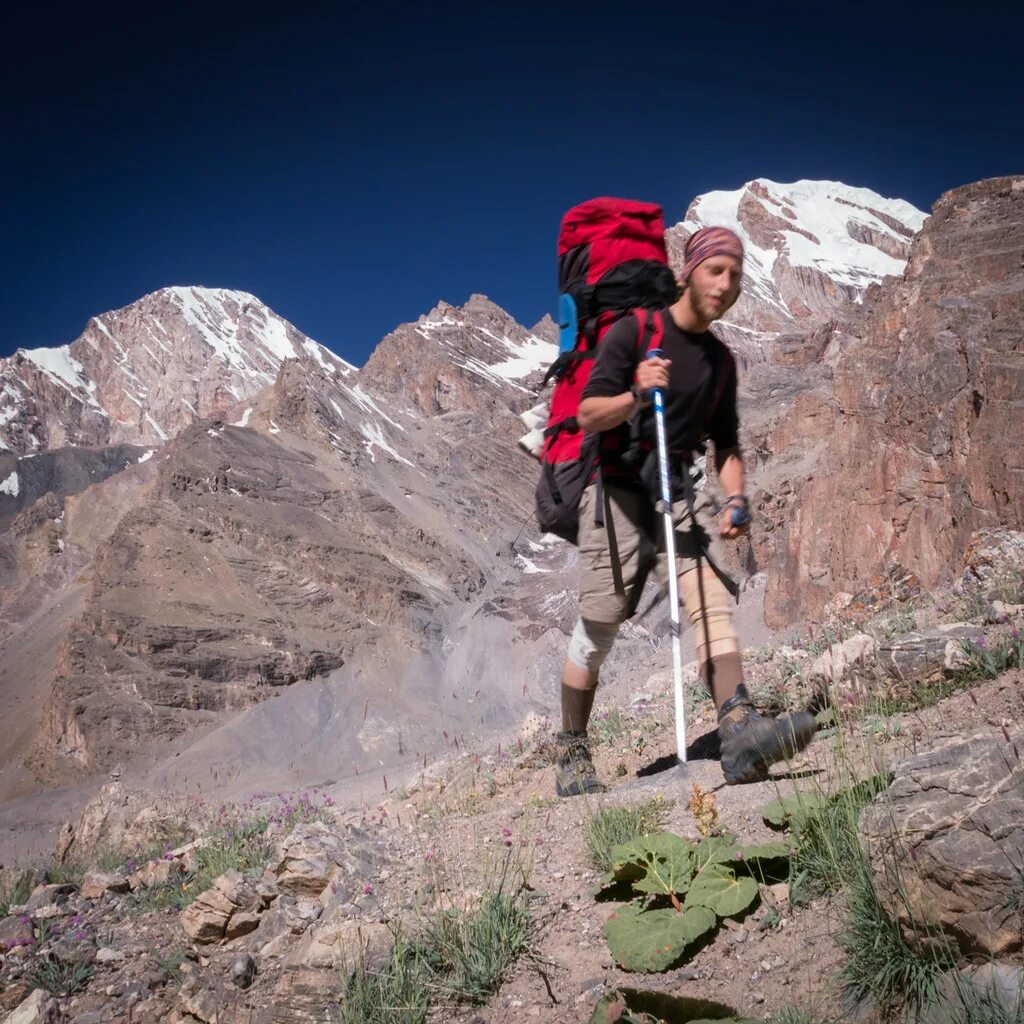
[620, 536]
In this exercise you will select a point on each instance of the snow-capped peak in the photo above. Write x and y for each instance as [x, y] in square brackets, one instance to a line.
[853, 235]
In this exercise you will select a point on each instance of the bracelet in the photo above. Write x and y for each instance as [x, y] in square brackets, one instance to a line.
[737, 501]
[639, 394]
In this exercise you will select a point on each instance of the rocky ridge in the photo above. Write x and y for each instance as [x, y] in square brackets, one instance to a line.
[322, 890]
[141, 374]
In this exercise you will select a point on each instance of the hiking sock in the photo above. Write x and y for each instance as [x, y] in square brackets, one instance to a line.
[576, 708]
[726, 677]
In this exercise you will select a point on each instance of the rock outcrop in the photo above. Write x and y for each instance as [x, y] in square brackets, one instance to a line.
[926, 444]
[947, 843]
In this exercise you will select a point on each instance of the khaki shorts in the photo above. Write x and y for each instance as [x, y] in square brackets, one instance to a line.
[609, 571]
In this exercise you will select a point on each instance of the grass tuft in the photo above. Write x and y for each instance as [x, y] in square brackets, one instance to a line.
[396, 991]
[880, 965]
[470, 952]
[61, 978]
[16, 892]
[610, 826]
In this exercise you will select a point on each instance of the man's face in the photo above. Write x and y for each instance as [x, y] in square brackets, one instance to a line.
[715, 286]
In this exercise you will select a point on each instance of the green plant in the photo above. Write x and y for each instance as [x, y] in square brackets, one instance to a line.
[680, 889]
[611, 826]
[791, 1015]
[471, 951]
[826, 840]
[65, 874]
[170, 966]
[607, 726]
[988, 660]
[879, 963]
[15, 892]
[396, 991]
[984, 1006]
[61, 977]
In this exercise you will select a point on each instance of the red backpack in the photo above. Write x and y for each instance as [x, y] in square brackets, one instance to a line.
[611, 260]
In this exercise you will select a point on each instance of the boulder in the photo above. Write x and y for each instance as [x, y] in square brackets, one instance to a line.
[156, 873]
[994, 556]
[843, 660]
[96, 884]
[15, 931]
[315, 855]
[210, 917]
[39, 1008]
[118, 818]
[927, 654]
[946, 841]
[313, 973]
[997, 988]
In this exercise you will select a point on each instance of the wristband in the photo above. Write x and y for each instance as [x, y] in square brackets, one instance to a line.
[639, 394]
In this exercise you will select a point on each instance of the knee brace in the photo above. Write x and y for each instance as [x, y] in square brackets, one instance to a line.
[717, 609]
[590, 643]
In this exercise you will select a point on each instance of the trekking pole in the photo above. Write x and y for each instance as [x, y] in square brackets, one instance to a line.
[658, 397]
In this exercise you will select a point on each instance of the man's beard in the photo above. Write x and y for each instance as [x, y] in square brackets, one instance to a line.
[708, 310]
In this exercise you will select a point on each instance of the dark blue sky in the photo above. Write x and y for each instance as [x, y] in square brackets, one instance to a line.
[353, 164]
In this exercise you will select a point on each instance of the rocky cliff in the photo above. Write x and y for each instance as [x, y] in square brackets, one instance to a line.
[925, 434]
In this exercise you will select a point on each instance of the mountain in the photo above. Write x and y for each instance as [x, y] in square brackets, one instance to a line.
[210, 511]
[813, 249]
[922, 441]
[352, 525]
[140, 374]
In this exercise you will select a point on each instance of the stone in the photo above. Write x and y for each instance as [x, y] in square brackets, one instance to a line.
[157, 873]
[243, 970]
[123, 819]
[47, 896]
[241, 923]
[946, 841]
[16, 932]
[39, 1008]
[309, 859]
[844, 659]
[998, 987]
[13, 996]
[313, 972]
[208, 918]
[200, 1000]
[927, 654]
[109, 955]
[96, 884]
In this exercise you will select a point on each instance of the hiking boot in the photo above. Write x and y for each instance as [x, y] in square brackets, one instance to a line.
[750, 742]
[574, 770]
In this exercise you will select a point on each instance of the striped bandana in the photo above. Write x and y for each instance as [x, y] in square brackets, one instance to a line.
[708, 242]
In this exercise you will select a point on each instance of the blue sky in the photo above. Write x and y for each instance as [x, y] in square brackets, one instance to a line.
[353, 164]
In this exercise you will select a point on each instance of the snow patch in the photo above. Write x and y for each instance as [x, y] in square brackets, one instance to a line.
[64, 370]
[274, 428]
[528, 567]
[375, 439]
[10, 485]
[156, 427]
[244, 421]
[145, 456]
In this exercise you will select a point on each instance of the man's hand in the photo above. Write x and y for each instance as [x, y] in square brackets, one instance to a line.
[728, 530]
[652, 373]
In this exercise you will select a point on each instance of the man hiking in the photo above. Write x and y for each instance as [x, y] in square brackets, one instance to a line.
[620, 538]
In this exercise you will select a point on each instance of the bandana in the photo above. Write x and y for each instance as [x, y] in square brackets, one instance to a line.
[708, 242]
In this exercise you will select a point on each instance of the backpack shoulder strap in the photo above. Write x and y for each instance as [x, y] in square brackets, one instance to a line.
[650, 331]
[725, 370]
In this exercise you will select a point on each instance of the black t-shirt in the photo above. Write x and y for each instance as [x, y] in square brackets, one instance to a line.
[700, 402]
